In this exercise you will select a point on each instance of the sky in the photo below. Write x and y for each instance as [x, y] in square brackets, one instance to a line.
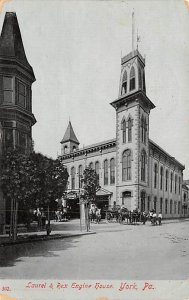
[75, 49]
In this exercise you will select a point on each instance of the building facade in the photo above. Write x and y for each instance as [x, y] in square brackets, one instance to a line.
[16, 78]
[133, 170]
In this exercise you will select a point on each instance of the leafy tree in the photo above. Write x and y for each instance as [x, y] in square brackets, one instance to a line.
[31, 181]
[90, 184]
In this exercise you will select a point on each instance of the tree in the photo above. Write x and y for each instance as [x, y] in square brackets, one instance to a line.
[31, 181]
[90, 184]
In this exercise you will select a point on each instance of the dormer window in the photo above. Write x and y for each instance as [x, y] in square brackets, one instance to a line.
[132, 79]
[124, 84]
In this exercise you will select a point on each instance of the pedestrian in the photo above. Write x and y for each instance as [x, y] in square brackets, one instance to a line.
[154, 218]
[144, 217]
[159, 218]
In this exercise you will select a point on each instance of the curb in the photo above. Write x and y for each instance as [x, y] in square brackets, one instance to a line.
[44, 238]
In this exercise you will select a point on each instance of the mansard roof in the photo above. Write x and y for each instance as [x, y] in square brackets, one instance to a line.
[11, 45]
[69, 135]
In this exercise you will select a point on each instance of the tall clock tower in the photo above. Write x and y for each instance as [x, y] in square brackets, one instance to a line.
[132, 132]
[16, 78]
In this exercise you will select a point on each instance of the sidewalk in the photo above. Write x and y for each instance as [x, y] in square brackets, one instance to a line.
[59, 231]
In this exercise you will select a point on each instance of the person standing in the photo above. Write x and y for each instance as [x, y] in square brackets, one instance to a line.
[160, 218]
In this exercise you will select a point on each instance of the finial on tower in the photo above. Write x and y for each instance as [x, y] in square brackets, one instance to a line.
[133, 31]
[138, 39]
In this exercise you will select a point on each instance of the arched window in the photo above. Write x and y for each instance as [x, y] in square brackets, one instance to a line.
[126, 165]
[184, 197]
[171, 206]
[143, 165]
[179, 207]
[97, 169]
[161, 204]
[179, 185]
[166, 206]
[72, 178]
[161, 178]
[140, 78]
[143, 196]
[132, 79]
[143, 129]
[129, 130]
[124, 130]
[155, 203]
[175, 207]
[171, 183]
[80, 171]
[166, 180]
[112, 171]
[155, 176]
[124, 83]
[106, 172]
[65, 149]
[175, 184]
[91, 165]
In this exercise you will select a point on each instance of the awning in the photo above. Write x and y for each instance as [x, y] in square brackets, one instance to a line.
[102, 192]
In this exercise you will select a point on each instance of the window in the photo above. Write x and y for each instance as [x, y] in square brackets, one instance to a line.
[97, 170]
[171, 206]
[161, 178]
[124, 84]
[161, 204]
[8, 89]
[166, 180]
[179, 185]
[80, 175]
[129, 130]
[166, 206]
[112, 171]
[65, 149]
[184, 197]
[21, 94]
[126, 165]
[124, 130]
[155, 203]
[132, 79]
[106, 172]
[143, 196]
[140, 78]
[179, 207]
[91, 165]
[171, 185]
[148, 203]
[155, 176]
[143, 129]
[175, 206]
[74, 149]
[175, 184]
[143, 165]
[72, 178]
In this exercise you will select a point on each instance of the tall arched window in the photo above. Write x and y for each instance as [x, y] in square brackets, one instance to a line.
[175, 184]
[126, 165]
[155, 203]
[161, 204]
[143, 196]
[124, 83]
[179, 185]
[97, 169]
[161, 178]
[72, 178]
[124, 130]
[106, 172]
[171, 206]
[155, 176]
[80, 171]
[143, 165]
[166, 180]
[171, 183]
[143, 129]
[132, 79]
[179, 207]
[166, 206]
[140, 78]
[175, 207]
[112, 171]
[129, 130]
[91, 165]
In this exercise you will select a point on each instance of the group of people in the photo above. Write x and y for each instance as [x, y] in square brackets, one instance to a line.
[94, 214]
[155, 218]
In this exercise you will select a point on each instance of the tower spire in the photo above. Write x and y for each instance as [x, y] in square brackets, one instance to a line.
[133, 31]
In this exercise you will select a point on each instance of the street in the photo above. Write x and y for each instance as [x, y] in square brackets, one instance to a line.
[114, 252]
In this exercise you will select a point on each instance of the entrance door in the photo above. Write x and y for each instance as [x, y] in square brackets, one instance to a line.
[126, 199]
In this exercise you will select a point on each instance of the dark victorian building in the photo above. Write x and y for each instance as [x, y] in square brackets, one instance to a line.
[16, 78]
